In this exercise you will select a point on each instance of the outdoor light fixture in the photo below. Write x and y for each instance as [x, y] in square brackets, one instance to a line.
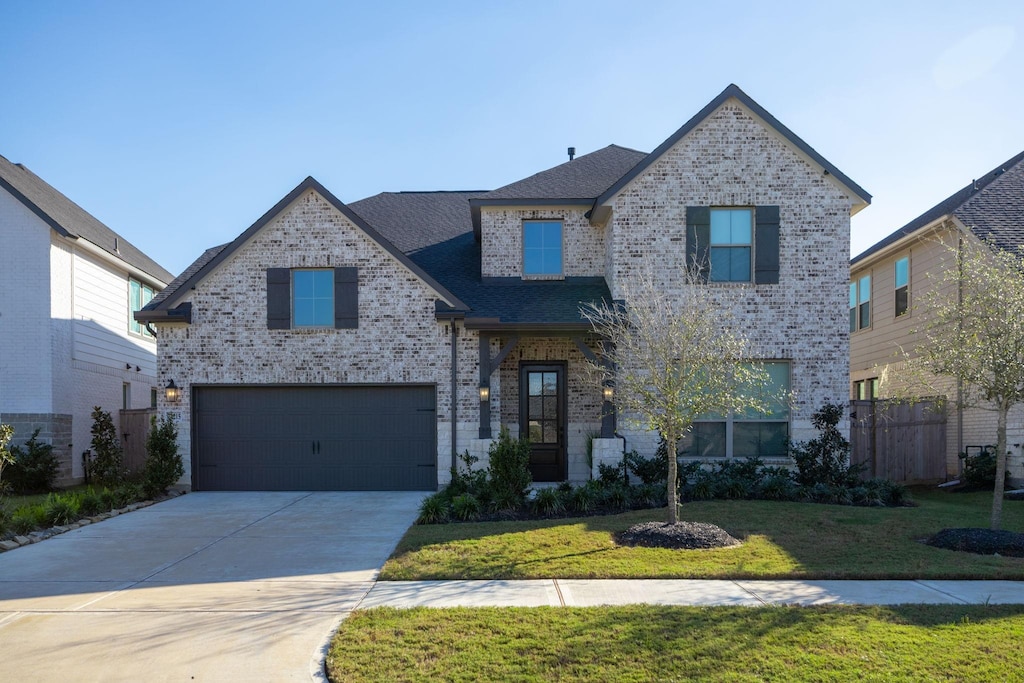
[485, 393]
[172, 392]
[609, 393]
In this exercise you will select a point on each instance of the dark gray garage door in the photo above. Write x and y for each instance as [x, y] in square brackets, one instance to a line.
[318, 438]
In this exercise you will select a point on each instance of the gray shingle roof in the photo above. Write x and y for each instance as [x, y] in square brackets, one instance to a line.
[206, 257]
[584, 177]
[71, 220]
[992, 207]
[435, 230]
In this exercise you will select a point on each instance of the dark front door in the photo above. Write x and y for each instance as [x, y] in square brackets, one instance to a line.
[542, 409]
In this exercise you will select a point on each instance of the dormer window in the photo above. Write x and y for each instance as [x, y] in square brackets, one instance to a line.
[542, 249]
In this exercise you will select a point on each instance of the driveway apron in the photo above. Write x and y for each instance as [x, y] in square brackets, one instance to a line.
[204, 587]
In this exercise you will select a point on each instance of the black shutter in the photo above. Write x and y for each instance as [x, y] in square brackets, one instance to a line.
[279, 298]
[766, 245]
[346, 298]
[698, 237]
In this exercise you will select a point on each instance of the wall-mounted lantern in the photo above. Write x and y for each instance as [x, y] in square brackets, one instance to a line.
[171, 392]
[485, 393]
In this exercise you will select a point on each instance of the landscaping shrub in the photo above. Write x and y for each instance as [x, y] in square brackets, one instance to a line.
[648, 470]
[548, 502]
[28, 518]
[163, 462]
[107, 464]
[126, 494]
[60, 509]
[434, 509]
[90, 503]
[108, 498]
[826, 458]
[980, 469]
[465, 507]
[508, 470]
[6, 458]
[34, 467]
[583, 498]
[610, 475]
[616, 496]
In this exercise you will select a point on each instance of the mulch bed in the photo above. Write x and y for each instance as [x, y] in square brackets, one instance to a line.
[980, 541]
[679, 536]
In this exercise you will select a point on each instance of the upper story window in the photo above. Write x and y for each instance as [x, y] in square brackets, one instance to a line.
[733, 244]
[860, 303]
[732, 232]
[542, 249]
[313, 298]
[902, 279]
[138, 296]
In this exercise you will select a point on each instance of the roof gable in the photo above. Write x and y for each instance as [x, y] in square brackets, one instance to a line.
[72, 221]
[758, 111]
[212, 258]
[991, 207]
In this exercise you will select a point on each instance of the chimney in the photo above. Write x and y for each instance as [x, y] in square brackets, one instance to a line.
[572, 153]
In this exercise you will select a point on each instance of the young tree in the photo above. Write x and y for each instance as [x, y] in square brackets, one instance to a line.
[6, 457]
[973, 329]
[672, 358]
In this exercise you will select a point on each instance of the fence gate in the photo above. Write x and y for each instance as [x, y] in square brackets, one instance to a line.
[135, 426]
[904, 442]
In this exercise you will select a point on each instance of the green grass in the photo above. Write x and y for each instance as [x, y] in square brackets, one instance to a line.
[12, 503]
[780, 540]
[652, 643]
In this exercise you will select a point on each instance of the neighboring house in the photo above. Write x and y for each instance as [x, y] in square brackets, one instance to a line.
[68, 342]
[887, 279]
[363, 346]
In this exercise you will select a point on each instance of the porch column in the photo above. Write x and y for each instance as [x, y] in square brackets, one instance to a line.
[485, 386]
[608, 410]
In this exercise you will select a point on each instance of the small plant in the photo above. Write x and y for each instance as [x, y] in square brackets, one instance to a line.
[163, 461]
[434, 509]
[548, 502]
[616, 497]
[609, 475]
[980, 469]
[90, 502]
[126, 494]
[778, 487]
[465, 507]
[60, 509]
[648, 470]
[34, 468]
[28, 518]
[108, 499]
[6, 457]
[107, 466]
[826, 458]
[649, 495]
[508, 470]
[582, 498]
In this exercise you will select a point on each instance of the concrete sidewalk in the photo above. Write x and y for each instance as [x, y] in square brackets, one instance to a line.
[697, 592]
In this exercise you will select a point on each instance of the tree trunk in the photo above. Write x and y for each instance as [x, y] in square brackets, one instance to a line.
[997, 493]
[673, 474]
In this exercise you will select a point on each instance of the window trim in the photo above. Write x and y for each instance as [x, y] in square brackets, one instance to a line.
[560, 275]
[143, 331]
[897, 287]
[751, 245]
[291, 297]
[857, 311]
[731, 419]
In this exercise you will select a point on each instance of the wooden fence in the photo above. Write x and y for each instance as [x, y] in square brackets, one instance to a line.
[135, 426]
[904, 442]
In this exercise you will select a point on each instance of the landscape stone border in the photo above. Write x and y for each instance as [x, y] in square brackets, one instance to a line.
[43, 534]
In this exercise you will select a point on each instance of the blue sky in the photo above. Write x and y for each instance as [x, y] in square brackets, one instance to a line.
[179, 124]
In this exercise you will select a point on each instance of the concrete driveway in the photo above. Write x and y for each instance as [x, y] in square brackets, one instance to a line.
[204, 587]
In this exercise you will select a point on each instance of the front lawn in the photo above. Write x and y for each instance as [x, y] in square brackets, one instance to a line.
[645, 643]
[780, 540]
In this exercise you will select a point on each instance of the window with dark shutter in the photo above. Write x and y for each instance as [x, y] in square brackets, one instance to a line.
[698, 240]
[346, 298]
[279, 309]
[766, 245]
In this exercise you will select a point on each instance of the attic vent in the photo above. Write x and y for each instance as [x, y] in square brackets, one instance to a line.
[572, 153]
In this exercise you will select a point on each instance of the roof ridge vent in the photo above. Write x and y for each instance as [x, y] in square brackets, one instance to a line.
[572, 153]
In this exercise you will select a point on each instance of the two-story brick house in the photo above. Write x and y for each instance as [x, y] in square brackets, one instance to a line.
[335, 346]
[68, 342]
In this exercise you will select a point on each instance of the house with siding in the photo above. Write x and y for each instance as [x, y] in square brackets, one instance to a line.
[887, 279]
[68, 342]
[365, 345]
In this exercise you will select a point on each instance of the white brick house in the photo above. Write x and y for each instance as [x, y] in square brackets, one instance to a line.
[68, 341]
[365, 345]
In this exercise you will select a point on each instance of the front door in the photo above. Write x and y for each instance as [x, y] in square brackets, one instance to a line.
[542, 410]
